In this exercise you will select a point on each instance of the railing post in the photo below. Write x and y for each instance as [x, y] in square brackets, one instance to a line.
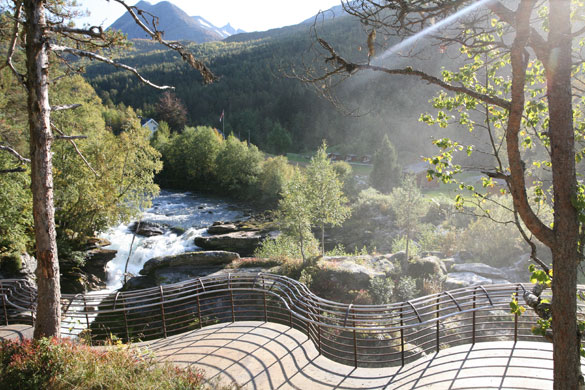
[199, 306]
[4, 304]
[32, 312]
[231, 297]
[401, 335]
[473, 316]
[264, 299]
[355, 349]
[438, 309]
[516, 319]
[125, 319]
[162, 310]
[319, 336]
[85, 310]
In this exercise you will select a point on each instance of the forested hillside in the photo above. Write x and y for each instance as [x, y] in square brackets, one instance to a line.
[261, 102]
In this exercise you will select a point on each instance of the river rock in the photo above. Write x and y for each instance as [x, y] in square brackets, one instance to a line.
[480, 269]
[189, 259]
[464, 279]
[346, 272]
[96, 261]
[147, 229]
[244, 243]
[426, 266]
[222, 228]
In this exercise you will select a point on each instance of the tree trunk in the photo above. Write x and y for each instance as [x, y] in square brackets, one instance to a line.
[323, 240]
[567, 367]
[48, 321]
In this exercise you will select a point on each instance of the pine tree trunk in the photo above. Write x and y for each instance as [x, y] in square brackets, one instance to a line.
[323, 240]
[567, 367]
[48, 318]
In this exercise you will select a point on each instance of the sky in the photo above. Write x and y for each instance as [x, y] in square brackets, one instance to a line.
[249, 15]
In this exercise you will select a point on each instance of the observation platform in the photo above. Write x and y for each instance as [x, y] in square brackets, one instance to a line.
[262, 356]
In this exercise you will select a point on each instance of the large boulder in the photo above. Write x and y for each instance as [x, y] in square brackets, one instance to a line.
[189, 259]
[242, 242]
[96, 261]
[147, 229]
[222, 228]
[426, 266]
[464, 279]
[353, 273]
[480, 269]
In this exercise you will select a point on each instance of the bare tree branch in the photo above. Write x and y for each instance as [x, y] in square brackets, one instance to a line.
[70, 139]
[13, 170]
[208, 76]
[21, 159]
[93, 31]
[13, 42]
[65, 107]
[97, 57]
[344, 66]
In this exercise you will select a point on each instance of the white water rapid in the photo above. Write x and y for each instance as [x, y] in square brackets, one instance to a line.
[189, 213]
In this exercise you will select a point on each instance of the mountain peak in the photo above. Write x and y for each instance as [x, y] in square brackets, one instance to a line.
[176, 24]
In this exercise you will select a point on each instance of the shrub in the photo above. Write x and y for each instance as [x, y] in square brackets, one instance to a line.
[381, 290]
[59, 365]
[10, 264]
[275, 173]
[405, 289]
[286, 247]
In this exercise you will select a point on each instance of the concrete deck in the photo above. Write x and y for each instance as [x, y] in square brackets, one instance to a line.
[261, 356]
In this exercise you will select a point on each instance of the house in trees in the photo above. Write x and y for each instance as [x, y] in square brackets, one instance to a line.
[149, 123]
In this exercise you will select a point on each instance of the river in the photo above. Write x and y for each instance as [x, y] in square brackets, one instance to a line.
[190, 213]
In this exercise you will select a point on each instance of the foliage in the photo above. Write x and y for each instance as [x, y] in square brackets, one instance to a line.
[386, 172]
[399, 244]
[481, 234]
[324, 195]
[124, 165]
[54, 364]
[171, 110]
[15, 210]
[346, 175]
[294, 212]
[409, 206]
[286, 247]
[278, 140]
[275, 174]
[405, 289]
[238, 166]
[381, 290]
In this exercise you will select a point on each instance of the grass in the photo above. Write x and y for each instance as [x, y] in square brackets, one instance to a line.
[54, 364]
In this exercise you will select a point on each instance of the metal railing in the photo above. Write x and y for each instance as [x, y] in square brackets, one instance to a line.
[358, 335]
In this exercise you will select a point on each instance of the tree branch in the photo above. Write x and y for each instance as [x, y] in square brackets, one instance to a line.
[93, 31]
[517, 182]
[21, 159]
[65, 107]
[208, 76]
[13, 170]
[12, 47]
[70, 139]
[350, 67]
[97, 57]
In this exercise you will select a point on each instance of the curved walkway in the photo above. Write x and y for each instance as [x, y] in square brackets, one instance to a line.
[259, 356]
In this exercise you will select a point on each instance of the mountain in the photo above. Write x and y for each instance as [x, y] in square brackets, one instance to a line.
[223, 32]
[259, 100]
[176, 24]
